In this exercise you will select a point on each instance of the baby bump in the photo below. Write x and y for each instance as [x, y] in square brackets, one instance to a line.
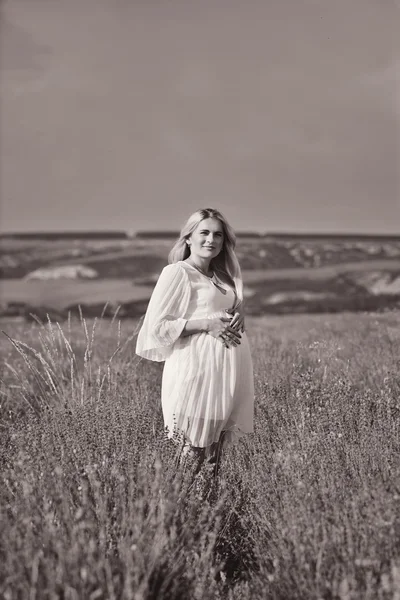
[195, 353]
[202, 354]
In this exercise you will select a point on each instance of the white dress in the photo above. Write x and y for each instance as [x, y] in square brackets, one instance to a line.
[206, 387]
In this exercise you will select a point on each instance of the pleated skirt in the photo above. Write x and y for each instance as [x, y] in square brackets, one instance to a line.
[208, 389]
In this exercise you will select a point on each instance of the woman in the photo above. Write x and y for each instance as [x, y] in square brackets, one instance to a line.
[195, 323]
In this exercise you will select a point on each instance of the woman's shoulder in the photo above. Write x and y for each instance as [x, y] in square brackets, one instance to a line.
[177, 269]
[180, 265]
[172, 277]
[174, 267]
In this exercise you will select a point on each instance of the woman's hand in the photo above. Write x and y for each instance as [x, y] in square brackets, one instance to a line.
[237, 322]
[220, 328]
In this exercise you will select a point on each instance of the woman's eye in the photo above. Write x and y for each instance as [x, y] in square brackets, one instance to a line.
[219, 234]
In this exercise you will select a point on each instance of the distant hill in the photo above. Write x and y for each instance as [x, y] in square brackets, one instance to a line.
[133, 257]
[327, 237]
[167, 234]
[104, 235]
[66, 235]
[287, 273]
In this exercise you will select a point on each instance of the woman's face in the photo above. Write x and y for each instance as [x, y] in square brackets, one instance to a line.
[207, 239]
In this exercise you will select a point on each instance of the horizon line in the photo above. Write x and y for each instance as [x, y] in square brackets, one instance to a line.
[130, 234]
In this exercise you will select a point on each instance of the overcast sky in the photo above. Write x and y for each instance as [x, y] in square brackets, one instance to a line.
[130, 114]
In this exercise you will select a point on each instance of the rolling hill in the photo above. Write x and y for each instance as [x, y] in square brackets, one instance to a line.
[281, 274]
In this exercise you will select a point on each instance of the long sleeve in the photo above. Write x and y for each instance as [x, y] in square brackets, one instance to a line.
[164, 320]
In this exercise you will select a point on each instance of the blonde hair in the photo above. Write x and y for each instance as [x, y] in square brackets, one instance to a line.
[225, 265]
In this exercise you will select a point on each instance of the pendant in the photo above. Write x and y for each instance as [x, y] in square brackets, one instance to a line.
[211, 280]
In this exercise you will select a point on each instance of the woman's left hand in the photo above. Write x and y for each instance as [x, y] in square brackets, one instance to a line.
[237, 322]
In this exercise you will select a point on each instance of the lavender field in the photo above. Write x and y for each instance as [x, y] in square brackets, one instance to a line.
[94, 503]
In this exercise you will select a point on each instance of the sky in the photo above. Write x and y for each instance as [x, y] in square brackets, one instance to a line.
[131, 114]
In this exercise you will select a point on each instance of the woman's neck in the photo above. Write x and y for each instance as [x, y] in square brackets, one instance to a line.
[200, 263]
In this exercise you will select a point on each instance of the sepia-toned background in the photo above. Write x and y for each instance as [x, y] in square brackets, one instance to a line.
[124, 116]
[130, 113]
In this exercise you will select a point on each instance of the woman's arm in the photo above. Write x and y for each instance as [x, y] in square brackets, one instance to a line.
[219, 328]
[195, 326]
[164, 319]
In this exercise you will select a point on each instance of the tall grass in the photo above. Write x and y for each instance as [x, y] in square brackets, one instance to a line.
[95, 503]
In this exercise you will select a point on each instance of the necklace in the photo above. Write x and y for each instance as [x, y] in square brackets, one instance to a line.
[211, 279]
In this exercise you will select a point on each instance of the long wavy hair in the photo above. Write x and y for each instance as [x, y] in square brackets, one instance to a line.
[225, 265]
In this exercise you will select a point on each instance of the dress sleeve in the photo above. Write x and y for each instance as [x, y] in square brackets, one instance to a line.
[164, 320]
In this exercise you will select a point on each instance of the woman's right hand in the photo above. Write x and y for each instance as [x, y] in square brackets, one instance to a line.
[220, 329]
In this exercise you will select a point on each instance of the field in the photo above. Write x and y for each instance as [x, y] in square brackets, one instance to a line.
[94, 504]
